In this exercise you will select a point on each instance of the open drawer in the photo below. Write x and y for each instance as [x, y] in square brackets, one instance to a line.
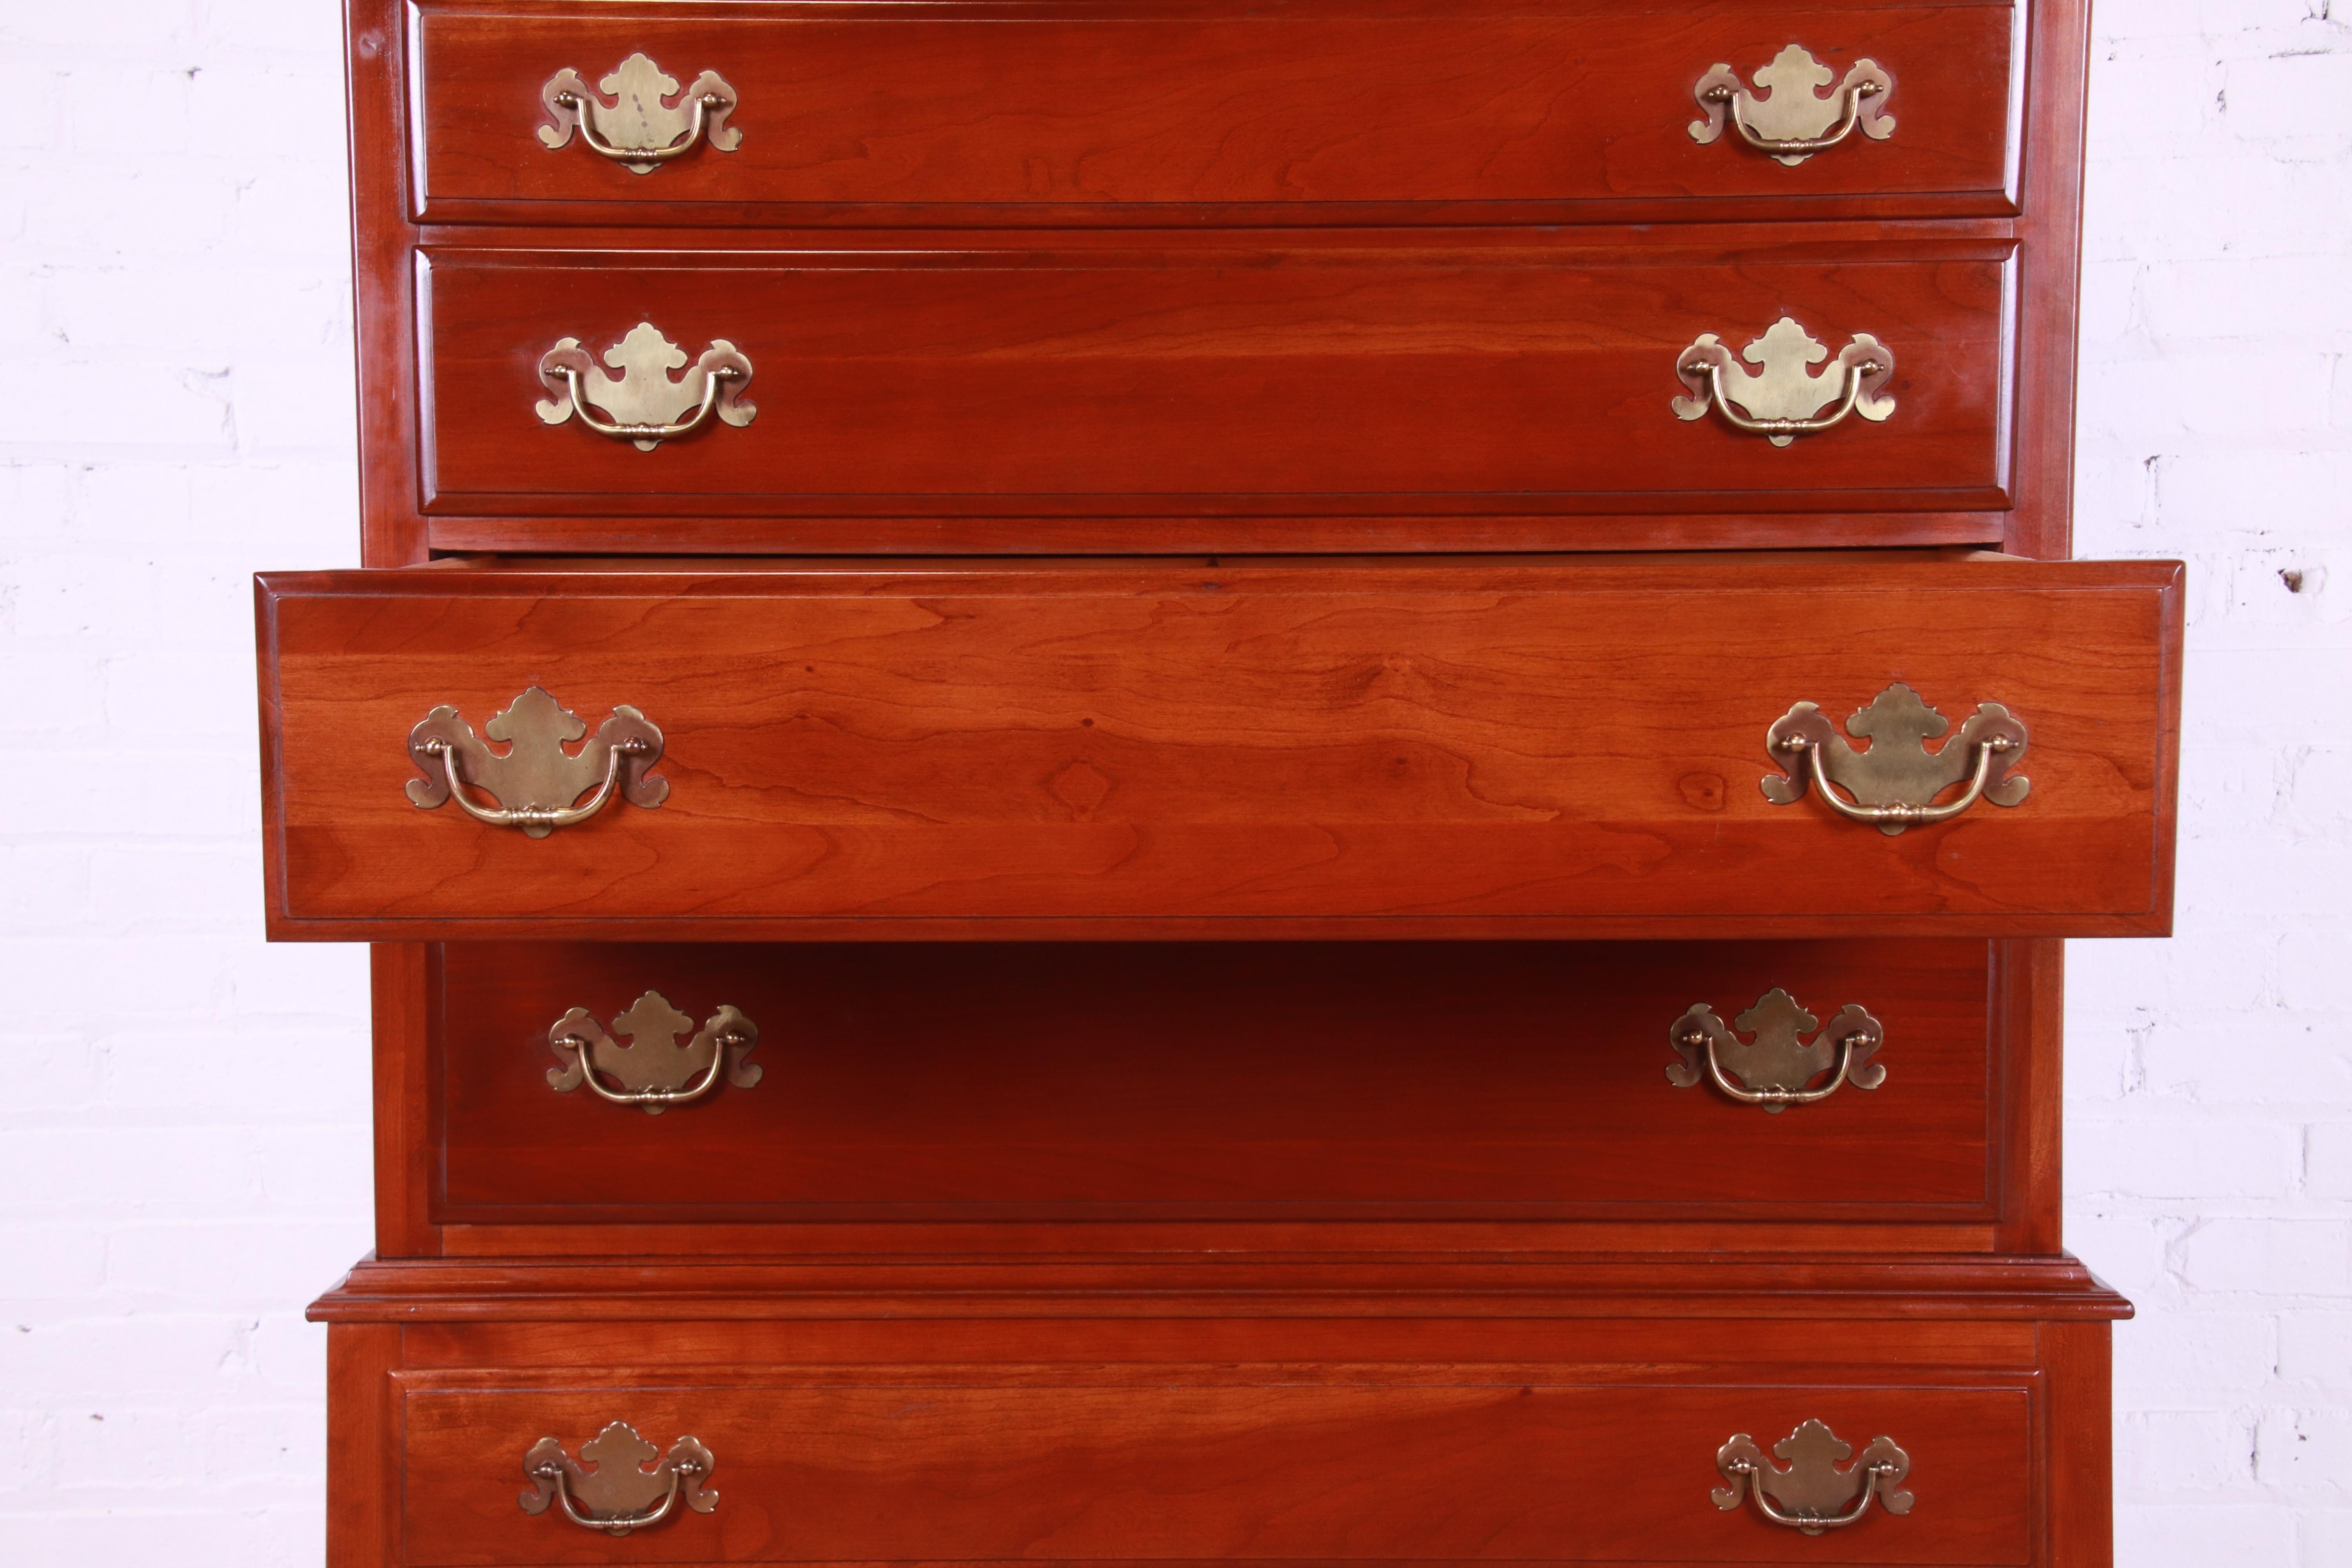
[1599, 748]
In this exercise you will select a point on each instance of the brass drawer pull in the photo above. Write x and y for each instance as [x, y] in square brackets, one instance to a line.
[1791, 121]
[538, 783]
[655, 1072]
[1893, 782]
[620, 1494]
[1783, 401]
[1812, 1494]
[1774, 1068]
[648, 124]
[643, 404]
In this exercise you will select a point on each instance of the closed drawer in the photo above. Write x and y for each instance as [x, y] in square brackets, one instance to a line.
[1360, 750]
[931, 1084]
[1395, 1463]
[1475, 375]
[1315, 110]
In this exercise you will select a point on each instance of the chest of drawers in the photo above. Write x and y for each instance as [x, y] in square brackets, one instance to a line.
[1212, 783]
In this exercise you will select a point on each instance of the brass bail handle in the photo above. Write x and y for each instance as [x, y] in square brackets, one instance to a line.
[641, 404]
[654, 1070]
[1789, 118]
[1811, 1494]
[647, 123]
[538, 784]
[614, 1493]
[1893, 785]
[1774, 1065]
[614, 1524]
[621, 431]
[654, 1099]
[1781, 400]
[1901, 814]
[545, 819]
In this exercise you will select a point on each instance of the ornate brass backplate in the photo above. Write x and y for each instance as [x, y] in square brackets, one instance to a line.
[615, 1492]
[642, 405]
[1812, 1494]
[648, 121]
[653, 1070]
[537, 783]
[1789, 117]
[1783, 400]
[1773, 1068]
[1894, 783]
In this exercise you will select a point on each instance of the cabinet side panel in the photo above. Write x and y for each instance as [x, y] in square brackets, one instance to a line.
[406, 982]
[362, 1448]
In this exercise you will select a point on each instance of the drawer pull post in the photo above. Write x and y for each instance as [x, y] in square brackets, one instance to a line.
[642, 405]
[656, 1072]
[1812, 1494]
[647, 123]
[620, 1494]
[1791, 121]
[1783, 400]
[1774, 1068]
[538, 783]
[1895, 782]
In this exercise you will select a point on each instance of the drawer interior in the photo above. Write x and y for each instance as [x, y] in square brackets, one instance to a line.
[938, 1082]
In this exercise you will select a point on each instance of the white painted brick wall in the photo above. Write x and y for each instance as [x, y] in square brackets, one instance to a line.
[183, 1153]
[2210, 1107]
[182, 1146]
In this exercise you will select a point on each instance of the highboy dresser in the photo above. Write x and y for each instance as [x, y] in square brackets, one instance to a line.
[1216, 782]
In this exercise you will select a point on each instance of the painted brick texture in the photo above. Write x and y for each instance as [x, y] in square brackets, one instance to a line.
[183, 1156]
[183, 1153]
[2208, 1127]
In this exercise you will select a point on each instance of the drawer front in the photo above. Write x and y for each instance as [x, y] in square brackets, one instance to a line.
[1251, 1464]
[1367, 750]
[1062, 113]
[934, 1083]
[1471, 374]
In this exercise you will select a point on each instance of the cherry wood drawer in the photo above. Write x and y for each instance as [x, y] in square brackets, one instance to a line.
[1315, 109]
[1352, 749]
[1250, 1463]
[1482, 375]
[1375, 1081]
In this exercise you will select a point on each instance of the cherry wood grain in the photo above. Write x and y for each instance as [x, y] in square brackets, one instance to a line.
[1252, 1081]
[908, 756]
[2050, 244]
[1091, 1374]
[1453, 373]
[670, 1240]
[1306, 532]
[2029, 1004]
[406, 985]
[364, 1458]
[2037, 429]
[527, 1353]
[1445, 1462]
[1556, 750]
[1148, 111]
[391, 529]
[2079, 1425]
[1267, 1296]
